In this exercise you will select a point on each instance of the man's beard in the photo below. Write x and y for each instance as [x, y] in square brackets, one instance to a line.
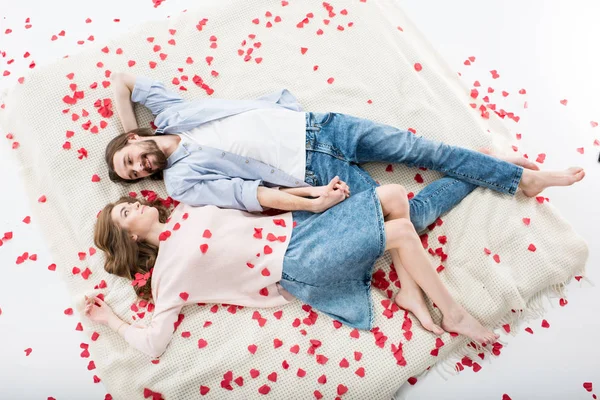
[150, 148]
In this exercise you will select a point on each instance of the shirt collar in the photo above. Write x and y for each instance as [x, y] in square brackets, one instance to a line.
[180, 152]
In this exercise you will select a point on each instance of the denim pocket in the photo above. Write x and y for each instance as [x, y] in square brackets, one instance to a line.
[311, 178]
[322, 119]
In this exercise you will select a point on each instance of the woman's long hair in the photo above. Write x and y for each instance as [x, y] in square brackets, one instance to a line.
[124, 256]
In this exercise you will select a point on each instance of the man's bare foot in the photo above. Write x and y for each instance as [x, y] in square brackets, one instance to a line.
[411, 299]
[534, 182]
[517, 160]
[460, 321]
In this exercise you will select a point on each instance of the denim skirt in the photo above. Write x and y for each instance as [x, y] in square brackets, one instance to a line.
[330, 258]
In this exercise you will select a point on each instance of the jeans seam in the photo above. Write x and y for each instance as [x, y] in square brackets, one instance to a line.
[441, 189]
[445, 171]
[516, 180]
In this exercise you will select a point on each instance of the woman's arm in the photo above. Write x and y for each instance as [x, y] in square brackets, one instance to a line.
[280, 200]
[316, 191]
[123, 84]
[117, 324]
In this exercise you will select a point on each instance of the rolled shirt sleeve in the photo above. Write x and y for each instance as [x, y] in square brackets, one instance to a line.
[233, 193]
[153, 95]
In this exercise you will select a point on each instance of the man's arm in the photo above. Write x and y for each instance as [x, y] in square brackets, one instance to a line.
[316, 191]
[249, 196]
[122, 84]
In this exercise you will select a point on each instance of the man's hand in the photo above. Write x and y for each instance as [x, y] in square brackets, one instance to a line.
[334, 184]
[335, 192]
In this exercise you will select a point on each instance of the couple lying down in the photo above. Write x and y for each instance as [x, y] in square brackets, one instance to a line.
[223, 162]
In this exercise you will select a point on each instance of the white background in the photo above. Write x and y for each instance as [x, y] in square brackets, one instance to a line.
[550, 48]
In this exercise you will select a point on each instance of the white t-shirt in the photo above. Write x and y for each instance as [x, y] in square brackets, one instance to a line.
[273, 136]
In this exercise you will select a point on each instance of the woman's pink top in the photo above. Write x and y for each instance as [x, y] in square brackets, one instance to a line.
[212, 255]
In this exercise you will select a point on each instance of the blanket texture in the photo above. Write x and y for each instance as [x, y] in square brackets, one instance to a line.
[363, 58]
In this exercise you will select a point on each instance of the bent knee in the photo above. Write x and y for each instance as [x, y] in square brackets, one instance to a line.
[404, 226]
[398, 232]
[394, 200]
[399, 191]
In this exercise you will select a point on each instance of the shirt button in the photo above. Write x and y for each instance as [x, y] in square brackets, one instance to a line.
[296, 182]
[272, 170]
[199, 148]
[247, 161]
[223, 154]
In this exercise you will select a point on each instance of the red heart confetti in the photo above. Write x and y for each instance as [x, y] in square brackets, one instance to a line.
[545, 324]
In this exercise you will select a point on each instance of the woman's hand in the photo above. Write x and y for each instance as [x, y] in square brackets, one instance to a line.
[334, 184]
[335, 192]
[98, 313]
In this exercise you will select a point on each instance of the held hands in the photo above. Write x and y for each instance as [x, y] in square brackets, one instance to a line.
[328, 196]
[98, 313]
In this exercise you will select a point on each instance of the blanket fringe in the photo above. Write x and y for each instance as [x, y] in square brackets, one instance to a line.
[535, 308]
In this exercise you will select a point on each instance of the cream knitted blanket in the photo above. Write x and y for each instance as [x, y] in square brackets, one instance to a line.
[359, 57]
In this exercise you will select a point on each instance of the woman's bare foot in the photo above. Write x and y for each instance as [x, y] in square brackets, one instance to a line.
[534, 182]
[517, 160]
[461, 322]
[411, 299]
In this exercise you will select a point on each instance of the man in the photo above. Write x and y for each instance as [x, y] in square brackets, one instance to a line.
[236, 153]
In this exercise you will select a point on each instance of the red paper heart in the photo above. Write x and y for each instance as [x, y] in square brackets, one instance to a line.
[341, 389]
[264, 389]
[545, 324]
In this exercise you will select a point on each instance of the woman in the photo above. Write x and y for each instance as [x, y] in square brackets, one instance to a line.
[212, 255]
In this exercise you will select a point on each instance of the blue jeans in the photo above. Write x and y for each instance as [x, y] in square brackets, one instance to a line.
[337, 143]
